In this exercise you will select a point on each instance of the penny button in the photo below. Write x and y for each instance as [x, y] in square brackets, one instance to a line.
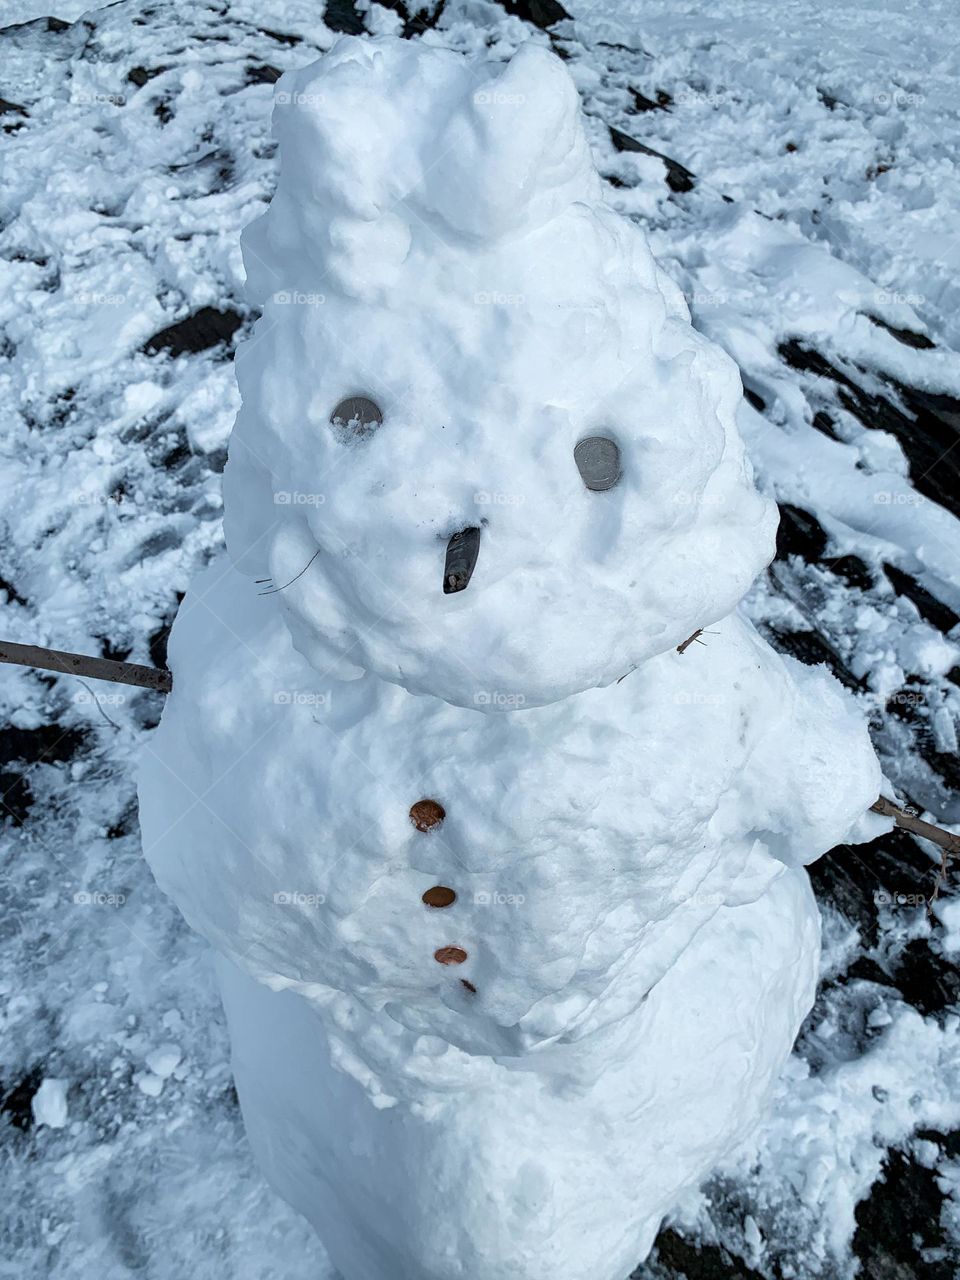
[426, 815]
[439, 896]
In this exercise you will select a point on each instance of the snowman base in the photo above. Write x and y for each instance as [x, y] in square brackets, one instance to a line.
[511, 1178]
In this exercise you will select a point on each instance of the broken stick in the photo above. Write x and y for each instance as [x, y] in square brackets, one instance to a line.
[77, 664]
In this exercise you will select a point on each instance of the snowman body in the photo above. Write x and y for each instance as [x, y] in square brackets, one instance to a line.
[507, 888]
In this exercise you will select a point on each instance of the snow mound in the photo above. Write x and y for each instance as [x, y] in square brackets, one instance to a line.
[517, 1176]
[438, 245]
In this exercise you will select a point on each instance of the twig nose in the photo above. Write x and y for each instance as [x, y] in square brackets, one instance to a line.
[462, 551]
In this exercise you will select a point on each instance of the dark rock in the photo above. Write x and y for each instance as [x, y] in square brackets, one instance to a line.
[623, 48]
[850, 878]
[127, 824]
[141, 75]
[15, 1101]
[823, 422]
[909, 337]
[866, 970]
[12, 108]
[854, 571]
[342, 15]
[158, 640]
[115, 652]
[11, 592]
[421, 19]
[925, 423]
[754, 398]
[908, 705]
[216, 169]
[924, 979]
[839, 1028]
[949, 1143]
[813, 649]
[217, 460]
[263, 75]
[931, 609]
[177, 453]
[800, 534]
[899, 1222]
[20, 749]
[16, 798]
[678, 178]
[700, 1262]
[641, 103]
[46, 744]
[280, 37]
[542, 13]
[200, 331]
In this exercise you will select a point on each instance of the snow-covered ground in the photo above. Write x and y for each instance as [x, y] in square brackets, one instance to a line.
[809, 213]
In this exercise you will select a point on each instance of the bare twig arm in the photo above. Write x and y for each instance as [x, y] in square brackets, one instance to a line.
[76, 664]
[916, 826]
[682, 648]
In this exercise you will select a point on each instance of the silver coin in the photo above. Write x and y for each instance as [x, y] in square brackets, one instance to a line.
[598, 461]
[357, 414]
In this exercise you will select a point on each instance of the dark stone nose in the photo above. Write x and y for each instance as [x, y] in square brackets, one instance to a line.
[462, 551]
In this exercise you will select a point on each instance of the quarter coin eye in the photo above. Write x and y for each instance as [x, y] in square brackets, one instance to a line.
[598, 461]
[357, 415]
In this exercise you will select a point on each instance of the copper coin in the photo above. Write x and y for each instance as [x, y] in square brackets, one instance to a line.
[450, 955]
[439, 896]
[426, 815]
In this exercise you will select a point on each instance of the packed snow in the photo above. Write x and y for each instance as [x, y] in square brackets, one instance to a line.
[136, 147]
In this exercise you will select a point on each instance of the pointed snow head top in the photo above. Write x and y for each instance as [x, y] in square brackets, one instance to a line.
[383, 129]
[481, 452]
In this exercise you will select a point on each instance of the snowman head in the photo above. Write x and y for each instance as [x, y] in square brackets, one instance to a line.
[481, 453]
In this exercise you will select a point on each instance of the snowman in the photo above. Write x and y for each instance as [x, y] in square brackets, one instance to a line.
[503, 872]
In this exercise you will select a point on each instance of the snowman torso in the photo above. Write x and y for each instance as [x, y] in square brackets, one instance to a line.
[633, 943]
[583, 843]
